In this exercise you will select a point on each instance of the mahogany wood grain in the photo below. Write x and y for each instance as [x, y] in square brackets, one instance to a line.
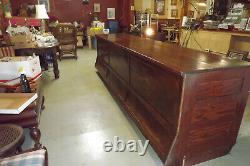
[189, 104]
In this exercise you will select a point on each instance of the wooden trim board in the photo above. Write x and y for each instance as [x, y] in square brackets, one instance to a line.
[15, 103]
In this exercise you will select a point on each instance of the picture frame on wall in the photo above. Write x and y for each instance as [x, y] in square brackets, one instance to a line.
[111, 13]
[97, 7]
[174, 13]
[46, 3]
[160, 7]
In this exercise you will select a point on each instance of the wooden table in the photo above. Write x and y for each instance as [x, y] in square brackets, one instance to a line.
[189, 104]
[42, 52]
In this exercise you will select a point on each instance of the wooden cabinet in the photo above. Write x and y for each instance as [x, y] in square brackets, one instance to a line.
[189, 104]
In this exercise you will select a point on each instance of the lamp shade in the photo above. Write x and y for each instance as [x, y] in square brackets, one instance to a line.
[41, 12]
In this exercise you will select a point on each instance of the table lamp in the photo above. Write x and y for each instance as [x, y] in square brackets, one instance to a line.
[42, 14]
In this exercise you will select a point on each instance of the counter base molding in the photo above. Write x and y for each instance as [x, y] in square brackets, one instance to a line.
[189, 104]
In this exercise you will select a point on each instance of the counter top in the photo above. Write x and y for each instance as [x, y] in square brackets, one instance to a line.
[172, 57]
[228, 31]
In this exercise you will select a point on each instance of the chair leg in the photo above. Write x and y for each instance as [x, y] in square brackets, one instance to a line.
[46, 158]
[35, 134]
[19, 150]
[60, 55]
[76, 54]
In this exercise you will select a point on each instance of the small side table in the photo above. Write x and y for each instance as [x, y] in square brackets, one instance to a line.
[11, 139]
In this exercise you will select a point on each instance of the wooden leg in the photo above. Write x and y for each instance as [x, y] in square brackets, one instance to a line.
[46, 158]
[19, 150]
[75, 51]
[43, 106]
[60, 55]
[55, 65]
[35, 134]
[43, 62]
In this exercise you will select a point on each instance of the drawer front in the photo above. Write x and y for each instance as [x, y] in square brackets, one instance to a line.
[103, 50]
[161, 89]
[119, 62]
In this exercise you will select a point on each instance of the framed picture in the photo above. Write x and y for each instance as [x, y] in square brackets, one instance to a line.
[174, 13]
[160, 7]
[173, 2]
[97, 7]
[110, 13]
[248, 25]
[46, 3]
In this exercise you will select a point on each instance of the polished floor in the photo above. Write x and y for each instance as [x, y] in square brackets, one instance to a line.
[81, 114]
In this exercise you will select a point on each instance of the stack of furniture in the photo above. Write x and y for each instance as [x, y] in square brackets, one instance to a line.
[30, 117]
[11, 126]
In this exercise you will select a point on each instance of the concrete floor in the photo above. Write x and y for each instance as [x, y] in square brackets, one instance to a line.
[81, 114]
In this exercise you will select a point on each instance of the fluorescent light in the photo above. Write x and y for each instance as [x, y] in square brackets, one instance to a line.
[202, 4]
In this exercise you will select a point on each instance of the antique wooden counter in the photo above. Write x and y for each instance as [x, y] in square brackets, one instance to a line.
[189, 104]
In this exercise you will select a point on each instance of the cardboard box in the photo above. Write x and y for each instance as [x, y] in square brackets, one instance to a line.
[11, 67]
[22, 41]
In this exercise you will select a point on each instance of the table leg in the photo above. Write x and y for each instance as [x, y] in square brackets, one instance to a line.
[43, 62]
[35, 134]
[55, 64]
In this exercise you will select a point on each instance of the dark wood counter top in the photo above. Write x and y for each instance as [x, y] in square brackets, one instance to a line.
[179, 60]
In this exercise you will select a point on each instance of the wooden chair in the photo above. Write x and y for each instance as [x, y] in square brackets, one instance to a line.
[66, 34]
[34, 156]
[11, 154]
[7, 51]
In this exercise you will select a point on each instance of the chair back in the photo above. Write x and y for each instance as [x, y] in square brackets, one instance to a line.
[66, 34]
[7, 51]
